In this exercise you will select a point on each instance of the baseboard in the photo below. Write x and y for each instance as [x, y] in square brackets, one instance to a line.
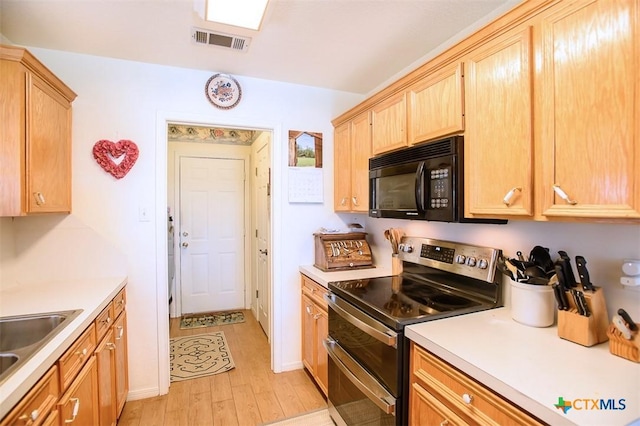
[298, 365]
[143, 394]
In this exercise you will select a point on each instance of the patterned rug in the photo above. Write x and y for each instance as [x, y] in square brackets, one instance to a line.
[210, 319]
[315, 418]
[198, 356]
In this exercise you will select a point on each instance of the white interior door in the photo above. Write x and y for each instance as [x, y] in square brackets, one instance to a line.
[211, 234]
[263, 214]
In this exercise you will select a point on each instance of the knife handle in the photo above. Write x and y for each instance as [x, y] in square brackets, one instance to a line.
[568, 269]
[625, 316]
[557, 292]
[583, 304]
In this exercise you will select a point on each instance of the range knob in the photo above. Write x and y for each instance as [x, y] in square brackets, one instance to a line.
[471, 261]
[405, 248]
[461, 258]
[482, 263]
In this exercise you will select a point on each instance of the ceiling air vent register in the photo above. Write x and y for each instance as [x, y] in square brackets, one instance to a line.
[228, 41]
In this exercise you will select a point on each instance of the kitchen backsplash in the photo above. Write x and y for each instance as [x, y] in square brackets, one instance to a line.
[604, 246]
[54, 248]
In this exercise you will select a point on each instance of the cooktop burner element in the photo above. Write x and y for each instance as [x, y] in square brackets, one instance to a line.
[440, 279]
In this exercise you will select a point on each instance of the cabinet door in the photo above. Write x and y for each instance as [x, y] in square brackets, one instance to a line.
[322, 360]
[48, 152]
[587, 106]
[388, 122]
[342, 168]
[498, 158]
[435, 105]
[105, 360]
[360, 153]
[425, 409]
[79, 404]
[120, 338]
[308, 333]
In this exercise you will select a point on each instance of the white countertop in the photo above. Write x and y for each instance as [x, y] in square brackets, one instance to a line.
[323, 278]
[92, 296]
[533, 367]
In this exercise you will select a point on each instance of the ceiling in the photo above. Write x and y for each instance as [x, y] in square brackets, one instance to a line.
[348, 45]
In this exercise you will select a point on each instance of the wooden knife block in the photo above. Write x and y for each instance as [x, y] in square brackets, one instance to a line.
[618, 345]
[586, 331]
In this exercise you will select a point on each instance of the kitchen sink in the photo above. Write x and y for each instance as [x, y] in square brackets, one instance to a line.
[22, 336]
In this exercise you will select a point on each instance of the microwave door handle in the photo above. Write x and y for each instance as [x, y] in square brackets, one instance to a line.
[420, 188]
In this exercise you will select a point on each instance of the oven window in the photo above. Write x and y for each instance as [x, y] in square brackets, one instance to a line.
[395, 192]
[380, 360]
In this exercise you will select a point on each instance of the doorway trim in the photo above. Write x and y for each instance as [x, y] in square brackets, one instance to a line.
[163, 118]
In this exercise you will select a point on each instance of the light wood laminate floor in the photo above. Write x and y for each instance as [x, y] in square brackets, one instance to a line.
[250, 394]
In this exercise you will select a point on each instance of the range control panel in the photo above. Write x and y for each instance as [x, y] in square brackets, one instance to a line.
[463, 259]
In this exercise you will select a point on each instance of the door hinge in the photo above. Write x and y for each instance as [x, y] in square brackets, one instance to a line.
[256, 294]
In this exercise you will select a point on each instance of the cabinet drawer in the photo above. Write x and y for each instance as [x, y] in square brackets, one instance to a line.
[119, 303]
[103, 321]
[74, 358]
[464, 395]
[315, 291]
[38, 403]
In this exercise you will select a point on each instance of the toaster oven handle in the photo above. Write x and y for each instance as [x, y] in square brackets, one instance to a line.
[420, 195]
[369, 326]
[361, 378]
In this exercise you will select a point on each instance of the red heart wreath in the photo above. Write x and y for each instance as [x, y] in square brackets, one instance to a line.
[105, 151]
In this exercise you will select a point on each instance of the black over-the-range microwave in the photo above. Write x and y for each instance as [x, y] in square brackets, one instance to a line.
[424, 182]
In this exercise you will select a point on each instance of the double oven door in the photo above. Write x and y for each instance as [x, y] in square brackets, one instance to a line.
[365, 368]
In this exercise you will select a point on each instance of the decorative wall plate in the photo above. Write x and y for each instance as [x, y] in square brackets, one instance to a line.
[223, 91]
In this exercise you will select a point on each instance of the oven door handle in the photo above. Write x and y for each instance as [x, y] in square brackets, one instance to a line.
[365, 382]
[355, 318]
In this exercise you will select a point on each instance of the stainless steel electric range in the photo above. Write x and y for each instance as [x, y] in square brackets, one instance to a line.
[368, 352]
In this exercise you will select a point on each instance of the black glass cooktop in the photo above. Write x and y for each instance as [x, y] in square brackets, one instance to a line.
[400, 300]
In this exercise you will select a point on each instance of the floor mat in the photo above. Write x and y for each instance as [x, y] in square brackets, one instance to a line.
[197, 356]
[210, 319]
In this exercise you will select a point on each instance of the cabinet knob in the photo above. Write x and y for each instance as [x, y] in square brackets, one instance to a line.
[185, 245]
[445, 422]
[355, 201]
[111, 346]
[343, 202]
[467, 398]
[33, 416]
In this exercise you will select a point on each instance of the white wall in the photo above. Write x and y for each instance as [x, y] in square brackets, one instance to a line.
[129, 100]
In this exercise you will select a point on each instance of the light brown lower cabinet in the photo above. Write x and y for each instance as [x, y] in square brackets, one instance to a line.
[39, 404]
[315, 328]
[79, 404]
[120, 362]
[105, 359]
[92, 377]
[440, 394]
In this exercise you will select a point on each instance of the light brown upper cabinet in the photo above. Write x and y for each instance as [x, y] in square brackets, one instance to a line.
[498, 160]
[435, 105]
[35, 137]
[388, 124]
[587, 111]
[352, 149]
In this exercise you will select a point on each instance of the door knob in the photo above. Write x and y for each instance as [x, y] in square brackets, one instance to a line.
[185, 244]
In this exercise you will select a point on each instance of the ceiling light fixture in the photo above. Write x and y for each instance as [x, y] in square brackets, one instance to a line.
[239, 13]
